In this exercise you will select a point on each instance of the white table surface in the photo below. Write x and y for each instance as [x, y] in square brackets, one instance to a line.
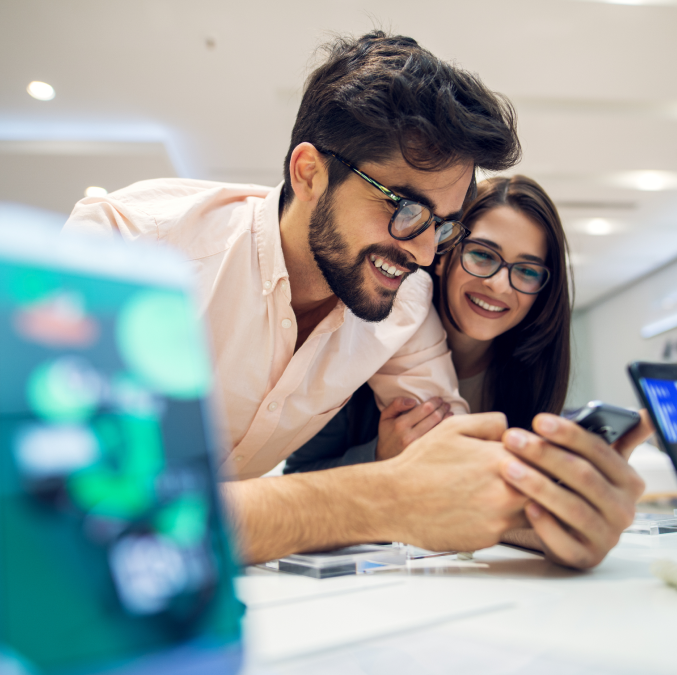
[519, 614]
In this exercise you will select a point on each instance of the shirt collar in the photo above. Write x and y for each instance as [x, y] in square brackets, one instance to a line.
[269, 242]
[271, 258]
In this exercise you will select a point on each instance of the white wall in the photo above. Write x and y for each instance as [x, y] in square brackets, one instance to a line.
[607, 337]
[580, 382]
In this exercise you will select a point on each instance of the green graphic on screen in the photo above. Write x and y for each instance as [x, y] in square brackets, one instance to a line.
[111, 543]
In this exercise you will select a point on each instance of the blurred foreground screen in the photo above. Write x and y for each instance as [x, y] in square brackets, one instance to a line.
[113, 554]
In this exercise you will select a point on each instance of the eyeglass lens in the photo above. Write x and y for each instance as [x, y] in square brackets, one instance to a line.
[481, 261]
[412, 217]
[409, 218]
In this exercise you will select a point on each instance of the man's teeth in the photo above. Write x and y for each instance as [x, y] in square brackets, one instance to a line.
[486, 305]
[387, 270]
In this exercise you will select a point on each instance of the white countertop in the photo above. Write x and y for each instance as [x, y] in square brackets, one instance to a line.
[519, 614]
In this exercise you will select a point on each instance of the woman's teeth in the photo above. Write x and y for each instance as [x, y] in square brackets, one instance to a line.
[389, 271]
[486, 305]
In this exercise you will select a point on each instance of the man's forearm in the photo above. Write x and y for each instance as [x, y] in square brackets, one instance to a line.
[274, 517]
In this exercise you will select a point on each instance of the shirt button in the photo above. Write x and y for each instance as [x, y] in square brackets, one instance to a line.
[239, 458]
[286, 323]
[272, 406]
[284, 283]
[267, 284]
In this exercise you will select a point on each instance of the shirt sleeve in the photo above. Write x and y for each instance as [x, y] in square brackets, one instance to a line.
[421, 369]
[107, 216]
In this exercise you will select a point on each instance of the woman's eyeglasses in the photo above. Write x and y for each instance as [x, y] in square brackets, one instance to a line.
[412, 218]
[482, 261]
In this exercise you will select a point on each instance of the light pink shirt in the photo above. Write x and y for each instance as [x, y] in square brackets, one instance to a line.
[273, 400]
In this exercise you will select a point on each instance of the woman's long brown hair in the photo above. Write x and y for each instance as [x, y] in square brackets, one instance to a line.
[529, 370]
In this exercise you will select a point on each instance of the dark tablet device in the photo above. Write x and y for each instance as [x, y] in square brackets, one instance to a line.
[608, 421]
[656, 387]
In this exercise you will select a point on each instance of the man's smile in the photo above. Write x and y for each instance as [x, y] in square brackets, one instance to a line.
[386, 268]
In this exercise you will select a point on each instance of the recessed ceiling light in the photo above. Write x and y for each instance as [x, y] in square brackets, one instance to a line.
[41, 90]
[95, 191]
[598, 226]
[646, 180]
[653, 180]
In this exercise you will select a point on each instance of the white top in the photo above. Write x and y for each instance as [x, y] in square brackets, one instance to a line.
[471, 390]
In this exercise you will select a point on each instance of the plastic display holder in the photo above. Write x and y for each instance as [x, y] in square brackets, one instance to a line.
[341, 562]
[653, 524]
[412, 552]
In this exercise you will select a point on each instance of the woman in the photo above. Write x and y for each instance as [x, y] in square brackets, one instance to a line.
[503, 297]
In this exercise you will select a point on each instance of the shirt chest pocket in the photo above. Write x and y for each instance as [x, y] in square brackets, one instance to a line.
[315, 424]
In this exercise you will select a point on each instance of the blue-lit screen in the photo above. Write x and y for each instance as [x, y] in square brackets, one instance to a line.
[662, 396]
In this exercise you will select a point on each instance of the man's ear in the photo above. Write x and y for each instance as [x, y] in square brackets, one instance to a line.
[309, 176]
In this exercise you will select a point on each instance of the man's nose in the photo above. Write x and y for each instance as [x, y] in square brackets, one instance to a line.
[421, 248]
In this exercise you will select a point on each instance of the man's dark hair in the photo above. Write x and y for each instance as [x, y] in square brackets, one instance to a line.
[379, 94]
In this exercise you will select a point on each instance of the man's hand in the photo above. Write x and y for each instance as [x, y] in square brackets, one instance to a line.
[446, 488]
[444, 492]
[403, 421]
[579, 511]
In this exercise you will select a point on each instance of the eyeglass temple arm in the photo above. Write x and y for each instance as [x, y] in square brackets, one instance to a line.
[371, 181]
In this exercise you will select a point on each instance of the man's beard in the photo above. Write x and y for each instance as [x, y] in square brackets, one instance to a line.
[345, 278]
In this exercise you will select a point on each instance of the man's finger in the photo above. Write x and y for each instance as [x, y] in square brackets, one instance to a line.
[562, 546]
[484, 426]
[578, 474]
[572, 437]
[569, 507]
[628, 442]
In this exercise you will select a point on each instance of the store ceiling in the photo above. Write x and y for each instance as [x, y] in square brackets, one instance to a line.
[209, 89]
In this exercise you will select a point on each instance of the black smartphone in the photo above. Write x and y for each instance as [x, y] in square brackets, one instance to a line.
[656, 387]
[608, 421]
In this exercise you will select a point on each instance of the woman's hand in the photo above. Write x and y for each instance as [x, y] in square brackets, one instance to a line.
[403, 421]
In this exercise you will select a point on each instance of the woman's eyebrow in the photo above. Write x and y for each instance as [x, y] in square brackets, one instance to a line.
[409, 192]
[521, 256]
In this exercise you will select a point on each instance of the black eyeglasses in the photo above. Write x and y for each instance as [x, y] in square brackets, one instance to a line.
[412, 218]
[482, 261]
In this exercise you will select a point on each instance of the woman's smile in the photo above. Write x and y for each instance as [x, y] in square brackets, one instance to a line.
[481, 304]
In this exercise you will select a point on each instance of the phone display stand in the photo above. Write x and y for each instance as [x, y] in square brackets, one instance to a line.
[361, 559]
[653, 524]
[340, 562]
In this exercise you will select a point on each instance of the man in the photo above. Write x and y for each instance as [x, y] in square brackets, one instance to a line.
[311, 290]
